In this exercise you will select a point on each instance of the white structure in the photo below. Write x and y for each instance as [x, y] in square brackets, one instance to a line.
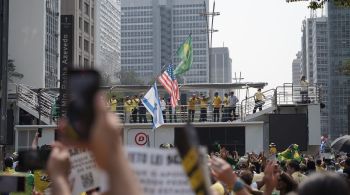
[34, 41]
[107, 39]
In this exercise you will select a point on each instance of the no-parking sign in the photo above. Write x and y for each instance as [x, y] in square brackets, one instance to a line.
[141, 139]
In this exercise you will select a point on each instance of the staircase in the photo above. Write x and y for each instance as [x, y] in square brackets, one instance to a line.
[39, 104]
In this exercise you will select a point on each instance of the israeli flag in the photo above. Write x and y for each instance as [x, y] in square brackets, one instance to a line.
[152, 103]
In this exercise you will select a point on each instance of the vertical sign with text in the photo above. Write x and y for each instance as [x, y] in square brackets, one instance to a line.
[67, 59]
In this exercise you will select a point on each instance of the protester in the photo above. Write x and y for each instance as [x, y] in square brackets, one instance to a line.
[204, 107]
[128, 108]
[304, 90]
[192, 107]
[163, 107]
[134, 103]
[142, 111]
[106, 145]
[232, 101]
[259, 100]
[113, 103]
[225, 108]
[216, 104]
[293, 169]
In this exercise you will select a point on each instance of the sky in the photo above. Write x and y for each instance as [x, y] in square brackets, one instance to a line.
[263, 37]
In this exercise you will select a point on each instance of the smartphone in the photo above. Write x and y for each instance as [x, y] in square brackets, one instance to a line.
[40, 131]
[33, 159]
[11, 183]
[83, 86]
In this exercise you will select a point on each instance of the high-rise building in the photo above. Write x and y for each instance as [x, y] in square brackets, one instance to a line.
[339, 83]
[297, 69]
[34, 30]
[152, 31]
[307, 53]
[82, 12]
[220, 66]
[107, 39]
[320, 66]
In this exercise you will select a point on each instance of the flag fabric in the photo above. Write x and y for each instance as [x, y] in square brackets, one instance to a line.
[152, 103]
[185, 53]
[168, 80]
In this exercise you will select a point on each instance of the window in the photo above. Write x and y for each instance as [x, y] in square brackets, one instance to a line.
[80, 4]
[86, 63]
[80, 42]
[92, 30]
[86, 27]
[86, 9]
[86, 45]
[92, 48]
[80, 64]
[92, 13]
[80, 23]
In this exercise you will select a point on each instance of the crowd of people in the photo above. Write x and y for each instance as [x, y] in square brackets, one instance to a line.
[222, 109]
[242, 175]
[256, 174]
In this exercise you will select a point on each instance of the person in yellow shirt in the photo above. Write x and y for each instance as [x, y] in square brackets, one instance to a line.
[225, 110]
[216, 104]
[192, 107]
[113, 104]
[127, 109]
[204, 107]
[259, 100]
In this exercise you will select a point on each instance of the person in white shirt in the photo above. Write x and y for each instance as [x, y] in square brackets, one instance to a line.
[163, 107]
[304, 89]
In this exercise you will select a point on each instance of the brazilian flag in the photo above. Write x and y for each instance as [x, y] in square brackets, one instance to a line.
[185, 53]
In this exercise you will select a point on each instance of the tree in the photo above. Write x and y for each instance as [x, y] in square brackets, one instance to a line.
[346, 67]
[314, 5]
[12, 74]
[130, 78]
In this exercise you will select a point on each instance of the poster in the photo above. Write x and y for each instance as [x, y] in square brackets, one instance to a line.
[159, 171]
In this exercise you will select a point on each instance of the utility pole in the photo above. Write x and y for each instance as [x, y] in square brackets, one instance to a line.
[4, 25]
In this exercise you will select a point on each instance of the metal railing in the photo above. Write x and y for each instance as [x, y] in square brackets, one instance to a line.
[249, 104]
[38, 102]
[288, 94]
[180, 114]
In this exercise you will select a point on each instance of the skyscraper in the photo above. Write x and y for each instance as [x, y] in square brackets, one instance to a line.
[339, 84]
[82, 12]
[152, 31]
[34, 30]
[107, 39]
[297, 68]
[221, 66]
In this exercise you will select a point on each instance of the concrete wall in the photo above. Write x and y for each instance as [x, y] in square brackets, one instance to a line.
[27, 36]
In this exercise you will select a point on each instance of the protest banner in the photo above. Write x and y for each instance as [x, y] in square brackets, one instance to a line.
[84, 175]
[159, 171]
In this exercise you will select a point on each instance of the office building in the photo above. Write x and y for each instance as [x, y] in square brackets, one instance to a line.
[339, 83]
[152, 31]
[107, 39]
[297, 69]
[220, 67]
[307, 52]
[82, 14]
[34, 32]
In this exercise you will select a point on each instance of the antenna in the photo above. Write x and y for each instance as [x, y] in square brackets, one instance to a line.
[211, 29]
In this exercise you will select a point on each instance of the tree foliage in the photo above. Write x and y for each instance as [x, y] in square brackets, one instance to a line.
[130, 78]
[11, 68]
[314, 5]
[346, 67]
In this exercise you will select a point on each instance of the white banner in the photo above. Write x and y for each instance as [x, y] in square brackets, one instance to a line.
[159, 171]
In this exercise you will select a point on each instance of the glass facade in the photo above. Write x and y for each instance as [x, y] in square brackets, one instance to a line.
[339, 85]
[108, 43]
[51, 46]
[152, 31]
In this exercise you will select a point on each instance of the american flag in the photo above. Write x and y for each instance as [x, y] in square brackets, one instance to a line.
[168, 80]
